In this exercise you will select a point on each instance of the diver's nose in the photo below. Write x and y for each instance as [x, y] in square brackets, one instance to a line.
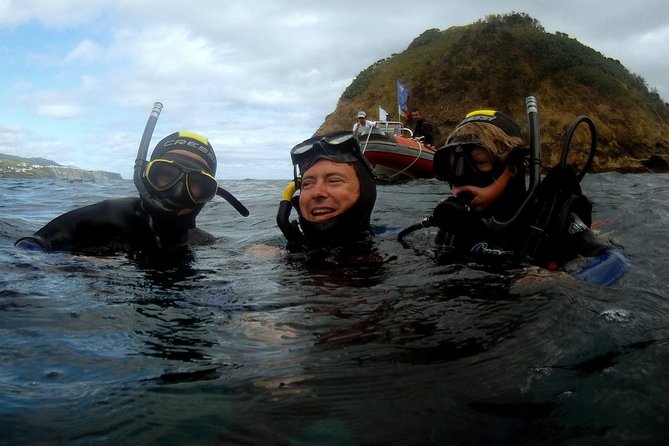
[320, 189]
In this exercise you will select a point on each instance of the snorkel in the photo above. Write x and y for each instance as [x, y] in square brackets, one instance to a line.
[290, 231]
[141, 163]
[535, 166]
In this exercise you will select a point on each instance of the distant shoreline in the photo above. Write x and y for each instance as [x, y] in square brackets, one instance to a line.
[16, 167]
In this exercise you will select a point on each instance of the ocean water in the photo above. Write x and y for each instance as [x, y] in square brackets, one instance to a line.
[243, 345]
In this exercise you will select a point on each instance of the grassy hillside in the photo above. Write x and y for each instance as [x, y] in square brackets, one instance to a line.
[499, 61]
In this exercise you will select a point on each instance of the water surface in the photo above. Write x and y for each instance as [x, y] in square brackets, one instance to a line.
[234, 347]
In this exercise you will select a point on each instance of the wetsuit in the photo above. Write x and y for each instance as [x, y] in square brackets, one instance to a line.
[424, 128]
[554, 230]
[117, 225]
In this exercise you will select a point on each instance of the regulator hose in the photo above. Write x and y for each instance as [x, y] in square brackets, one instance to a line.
[567, 144]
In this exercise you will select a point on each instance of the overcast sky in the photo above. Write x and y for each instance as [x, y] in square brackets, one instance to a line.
[79, 77]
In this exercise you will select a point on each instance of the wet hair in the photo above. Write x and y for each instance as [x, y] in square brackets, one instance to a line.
[492, 138]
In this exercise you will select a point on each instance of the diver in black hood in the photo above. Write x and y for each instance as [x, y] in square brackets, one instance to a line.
[174, 187]
[337, 195]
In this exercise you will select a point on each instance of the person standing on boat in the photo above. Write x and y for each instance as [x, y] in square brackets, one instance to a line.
[422, 128]
[336, 197]
[362, 125]
[484, 163]
[174, 186]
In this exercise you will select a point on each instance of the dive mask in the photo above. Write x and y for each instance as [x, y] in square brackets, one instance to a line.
[341, 148]
[468, 163]
[180, 182]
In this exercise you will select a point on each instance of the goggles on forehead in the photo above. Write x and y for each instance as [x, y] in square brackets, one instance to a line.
[341, 148]
[462, 164]
[163, 174]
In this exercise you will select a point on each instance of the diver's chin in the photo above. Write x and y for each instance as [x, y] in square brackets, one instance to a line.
[173, 207]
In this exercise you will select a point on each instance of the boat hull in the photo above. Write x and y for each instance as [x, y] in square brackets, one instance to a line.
[396, 158]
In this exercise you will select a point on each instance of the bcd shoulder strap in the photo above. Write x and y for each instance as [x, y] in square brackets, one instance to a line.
[558, 197]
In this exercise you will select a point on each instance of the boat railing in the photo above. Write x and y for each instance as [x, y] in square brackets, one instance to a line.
[395, 128]
[392, 128]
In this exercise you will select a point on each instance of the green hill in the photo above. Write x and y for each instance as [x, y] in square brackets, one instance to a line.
[499, 61]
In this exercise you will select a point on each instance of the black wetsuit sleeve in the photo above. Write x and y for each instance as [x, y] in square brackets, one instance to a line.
[104, 224]
[583, 240]
[424, 128]
[428, 133]
[607, 263]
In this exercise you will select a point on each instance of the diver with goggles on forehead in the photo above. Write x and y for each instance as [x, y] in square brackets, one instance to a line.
[174, 185]
[492, 216]
[336, 197]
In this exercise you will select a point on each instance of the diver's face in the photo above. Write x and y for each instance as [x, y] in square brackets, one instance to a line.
[328, 189]
[481, 160]
[196, 188]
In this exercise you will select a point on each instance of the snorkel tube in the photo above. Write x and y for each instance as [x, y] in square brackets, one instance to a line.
[535, 142]
[289, 231]
[227, 196]
[140, 162]
[535, 166]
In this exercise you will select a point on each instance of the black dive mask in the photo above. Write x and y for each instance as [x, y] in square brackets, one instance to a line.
[455, 164]
[341, 148]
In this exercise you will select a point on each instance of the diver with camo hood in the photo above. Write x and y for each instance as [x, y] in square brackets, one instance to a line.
[492, 214]
[337, 195]
[174, 186]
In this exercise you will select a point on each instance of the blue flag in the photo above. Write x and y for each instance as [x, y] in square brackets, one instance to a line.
[402, 98]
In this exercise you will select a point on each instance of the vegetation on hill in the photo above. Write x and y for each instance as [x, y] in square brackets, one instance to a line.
[496, 63]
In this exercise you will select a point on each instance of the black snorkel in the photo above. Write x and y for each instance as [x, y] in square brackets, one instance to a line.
[534, 162]
[140, 162]
[227, 196]
[289, 230]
